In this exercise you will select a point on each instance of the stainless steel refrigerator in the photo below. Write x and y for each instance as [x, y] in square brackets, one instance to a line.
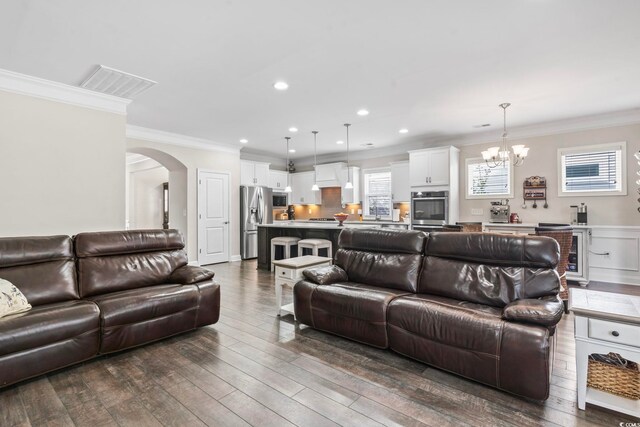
[255, 208]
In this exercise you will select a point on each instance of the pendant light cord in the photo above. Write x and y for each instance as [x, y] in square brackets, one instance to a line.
[348, 170]
[315, 156]
[287, 165]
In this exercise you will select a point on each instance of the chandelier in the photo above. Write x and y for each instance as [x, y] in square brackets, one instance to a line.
[499, 156]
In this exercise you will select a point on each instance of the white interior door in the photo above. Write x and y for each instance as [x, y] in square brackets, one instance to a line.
[213, 217]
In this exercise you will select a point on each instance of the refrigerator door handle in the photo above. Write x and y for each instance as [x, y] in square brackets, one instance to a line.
[260, 214]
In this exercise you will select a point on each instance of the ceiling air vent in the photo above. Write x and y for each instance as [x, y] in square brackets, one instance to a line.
[117, 83]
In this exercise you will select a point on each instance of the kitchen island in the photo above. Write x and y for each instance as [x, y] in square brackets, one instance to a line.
[303, 230]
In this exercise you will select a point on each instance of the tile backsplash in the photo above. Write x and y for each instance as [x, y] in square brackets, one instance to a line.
[330, 206]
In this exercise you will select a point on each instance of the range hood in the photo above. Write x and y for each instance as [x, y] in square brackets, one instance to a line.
[332, 175]
[337, 175]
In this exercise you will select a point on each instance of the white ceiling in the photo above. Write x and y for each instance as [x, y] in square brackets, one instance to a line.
[435, 67]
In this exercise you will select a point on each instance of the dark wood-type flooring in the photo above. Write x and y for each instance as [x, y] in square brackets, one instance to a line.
[253, 368]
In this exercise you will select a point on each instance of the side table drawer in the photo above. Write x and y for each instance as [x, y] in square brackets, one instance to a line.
[286, 273]
[621, 333]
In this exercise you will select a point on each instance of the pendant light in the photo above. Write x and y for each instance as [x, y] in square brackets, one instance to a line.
[348, 185]
[499, 156]
[315, 161]
[288, 187]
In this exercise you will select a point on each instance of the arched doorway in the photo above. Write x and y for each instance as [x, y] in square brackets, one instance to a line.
[177, 179]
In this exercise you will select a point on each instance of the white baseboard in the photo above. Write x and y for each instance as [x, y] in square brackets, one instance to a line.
[235, 258]
[194, 263]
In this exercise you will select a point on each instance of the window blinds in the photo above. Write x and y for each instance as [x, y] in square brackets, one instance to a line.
[377, 189]
[486, 181]
[592, 171]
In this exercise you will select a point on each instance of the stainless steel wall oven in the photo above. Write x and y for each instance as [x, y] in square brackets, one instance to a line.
[429, 209]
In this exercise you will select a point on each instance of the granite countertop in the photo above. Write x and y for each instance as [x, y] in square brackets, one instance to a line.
[525, 225]
[366, 222]
[317, 225]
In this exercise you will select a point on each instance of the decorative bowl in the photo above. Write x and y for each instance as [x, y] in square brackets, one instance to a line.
[341, 217]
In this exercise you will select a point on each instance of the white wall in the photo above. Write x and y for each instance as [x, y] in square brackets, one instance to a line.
[145, 198]
[62, 167]
[194, 159]
[542, 161]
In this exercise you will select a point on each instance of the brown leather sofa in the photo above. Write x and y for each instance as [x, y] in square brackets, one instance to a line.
[480, 305]
[96, 294]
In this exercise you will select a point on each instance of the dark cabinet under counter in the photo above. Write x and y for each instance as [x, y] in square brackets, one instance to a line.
[266, 233]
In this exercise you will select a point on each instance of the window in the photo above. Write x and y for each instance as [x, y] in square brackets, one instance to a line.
[592, 170]
[484, 182]
[377, 193]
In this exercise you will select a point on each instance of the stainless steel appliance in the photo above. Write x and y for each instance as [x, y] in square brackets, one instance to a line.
[429, 210]
[279, 200]
[580, 217]
[500, 212]
[255, 208]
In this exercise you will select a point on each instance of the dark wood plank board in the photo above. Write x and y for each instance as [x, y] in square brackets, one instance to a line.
[254, 368]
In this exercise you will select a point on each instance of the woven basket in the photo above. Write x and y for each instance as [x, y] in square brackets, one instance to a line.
[564, 239]
[622, 381]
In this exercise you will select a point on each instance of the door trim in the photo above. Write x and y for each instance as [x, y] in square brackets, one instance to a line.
[198, 202]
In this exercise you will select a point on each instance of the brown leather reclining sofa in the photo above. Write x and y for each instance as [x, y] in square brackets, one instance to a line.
[98, 293]
[480, 305]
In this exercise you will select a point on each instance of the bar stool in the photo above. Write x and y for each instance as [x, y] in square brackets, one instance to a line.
[315, 245]
[287, 243]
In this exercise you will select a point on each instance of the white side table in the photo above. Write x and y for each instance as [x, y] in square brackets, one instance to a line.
[605, 322]
[289, 272]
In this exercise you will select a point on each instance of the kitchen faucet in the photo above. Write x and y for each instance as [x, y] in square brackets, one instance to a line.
[376, 211]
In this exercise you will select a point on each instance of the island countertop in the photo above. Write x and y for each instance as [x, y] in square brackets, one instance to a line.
[317, 225]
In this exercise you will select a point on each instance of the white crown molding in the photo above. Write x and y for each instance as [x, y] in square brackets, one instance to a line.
[154, 135]
[23, 84]
[556, 127]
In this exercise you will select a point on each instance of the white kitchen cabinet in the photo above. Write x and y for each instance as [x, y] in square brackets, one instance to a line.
[400, 187]
[301, 193]
[254, 173]
[277, 180]
[433, 167]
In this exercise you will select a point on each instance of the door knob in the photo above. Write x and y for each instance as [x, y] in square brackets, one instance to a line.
[226, 222]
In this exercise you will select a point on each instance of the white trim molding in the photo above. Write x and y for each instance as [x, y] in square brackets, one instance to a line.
[53, 91]
[235, 258]
[154, 135]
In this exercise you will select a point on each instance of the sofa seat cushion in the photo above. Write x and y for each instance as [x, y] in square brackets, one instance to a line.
[138, 316]
[472, 340]
[48, 324]
[136, 305]
[456, 323]
[353, 310]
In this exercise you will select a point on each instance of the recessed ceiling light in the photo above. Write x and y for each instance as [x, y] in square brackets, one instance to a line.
[244, 140]
[404, 130]
[363, 112]
[281, 85]
[292, 150]
[293, 129]
[340, 142]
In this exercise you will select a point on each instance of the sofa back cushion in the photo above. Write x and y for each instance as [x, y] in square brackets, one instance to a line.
[121, 260]
[41, 267]
[384, 258]
[490, 269]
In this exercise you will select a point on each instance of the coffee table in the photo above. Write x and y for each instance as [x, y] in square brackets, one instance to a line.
[289, 272]
[605, 322]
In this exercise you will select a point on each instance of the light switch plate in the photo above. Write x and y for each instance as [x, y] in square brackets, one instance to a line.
[477, 211]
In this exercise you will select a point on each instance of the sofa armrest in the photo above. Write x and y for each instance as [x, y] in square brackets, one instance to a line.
[325, 275]
[545, 311]
[189, 274]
